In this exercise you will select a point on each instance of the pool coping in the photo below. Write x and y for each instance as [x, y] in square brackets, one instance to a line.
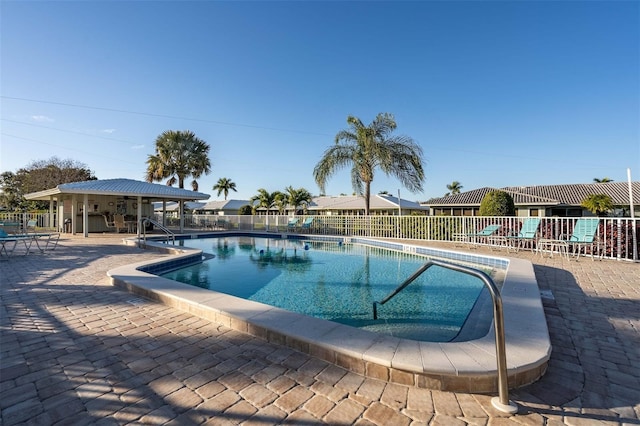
[453, 366]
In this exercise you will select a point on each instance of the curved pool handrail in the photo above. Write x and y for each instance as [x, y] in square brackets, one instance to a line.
[502, 402]
[143, 222]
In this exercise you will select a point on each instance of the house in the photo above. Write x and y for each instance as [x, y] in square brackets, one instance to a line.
[541, 200]
[223, 207]
[380, 204]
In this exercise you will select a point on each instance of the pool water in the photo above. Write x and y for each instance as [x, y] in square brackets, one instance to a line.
[337, 282]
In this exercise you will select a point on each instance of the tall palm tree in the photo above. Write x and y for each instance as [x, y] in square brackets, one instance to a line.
[298, 197]
[603, 180]
[265, 199]
[454, 188]
[225, 185]
[179, 154]
[366, 148]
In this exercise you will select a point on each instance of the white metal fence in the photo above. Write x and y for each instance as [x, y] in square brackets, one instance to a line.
[616, 236]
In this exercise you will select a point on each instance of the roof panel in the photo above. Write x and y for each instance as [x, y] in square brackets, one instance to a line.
[124, 187]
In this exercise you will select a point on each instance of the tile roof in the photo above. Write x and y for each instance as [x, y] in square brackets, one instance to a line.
[567, 194]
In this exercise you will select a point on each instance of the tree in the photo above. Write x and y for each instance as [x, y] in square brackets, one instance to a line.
[225, 185]
[598, 204]
[245, 210]
[11, 194]
[497, 203]
[265, 199]
[38, 176]
[603, 180]
[298, 197]
[179, 154]
[366, 148]
[454, 188]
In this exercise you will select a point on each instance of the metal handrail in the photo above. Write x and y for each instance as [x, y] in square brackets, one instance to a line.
[170, 235]
[502, 402]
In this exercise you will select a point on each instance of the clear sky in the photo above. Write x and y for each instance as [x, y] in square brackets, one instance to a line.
[497, 93]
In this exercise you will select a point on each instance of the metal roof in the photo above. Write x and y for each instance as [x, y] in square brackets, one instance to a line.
[353, 202]
[567, 194]
[225, 204]
[120, 187]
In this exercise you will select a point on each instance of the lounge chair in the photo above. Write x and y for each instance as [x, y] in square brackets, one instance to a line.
[8, 243]
[583, 236]
[527, 234]
[44, 240]
[292, 225]
[307, 224]
[473, 239]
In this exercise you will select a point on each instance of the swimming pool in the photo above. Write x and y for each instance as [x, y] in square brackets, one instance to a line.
[339, 282]
[468, 366]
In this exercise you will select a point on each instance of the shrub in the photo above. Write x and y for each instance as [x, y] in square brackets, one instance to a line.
[497, 203]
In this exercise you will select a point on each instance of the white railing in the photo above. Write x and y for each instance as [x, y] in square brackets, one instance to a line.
[616, 236]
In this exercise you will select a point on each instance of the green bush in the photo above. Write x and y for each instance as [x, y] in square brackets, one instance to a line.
[497, 203]
[245, 210]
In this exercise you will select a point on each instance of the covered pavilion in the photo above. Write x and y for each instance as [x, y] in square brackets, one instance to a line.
[84, 206]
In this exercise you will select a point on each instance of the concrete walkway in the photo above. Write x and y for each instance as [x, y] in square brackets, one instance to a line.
[75, 350]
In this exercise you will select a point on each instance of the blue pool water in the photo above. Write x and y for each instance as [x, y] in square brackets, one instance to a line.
[338, 282]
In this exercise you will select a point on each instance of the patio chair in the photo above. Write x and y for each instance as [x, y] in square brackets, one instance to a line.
[119, 223]
[527, 234]
[473, 239]
[292, 225]
[583, 236]
[44, 240]
[8, 243]
[307, 224]
[109, 223]
[11, 227]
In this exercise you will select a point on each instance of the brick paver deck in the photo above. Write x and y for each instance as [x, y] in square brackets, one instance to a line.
[75, 350]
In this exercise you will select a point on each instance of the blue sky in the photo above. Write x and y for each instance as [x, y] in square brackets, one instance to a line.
[497, 93]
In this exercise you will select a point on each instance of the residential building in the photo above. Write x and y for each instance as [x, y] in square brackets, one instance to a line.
[542, 200]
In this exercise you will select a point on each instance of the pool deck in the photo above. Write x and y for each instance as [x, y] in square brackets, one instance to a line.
[76, 350]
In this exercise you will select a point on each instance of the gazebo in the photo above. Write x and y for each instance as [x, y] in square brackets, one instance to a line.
[83, 206]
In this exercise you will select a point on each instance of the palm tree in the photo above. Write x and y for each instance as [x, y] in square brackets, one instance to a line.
[223, 186]
[179, 154]
[598, 204]
[265, 199]
[454, 188]
[366, 148]
[603, 180]
[298, 197]
[281, 202]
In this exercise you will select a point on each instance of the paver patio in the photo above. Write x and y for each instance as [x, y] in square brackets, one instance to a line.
[75, 350]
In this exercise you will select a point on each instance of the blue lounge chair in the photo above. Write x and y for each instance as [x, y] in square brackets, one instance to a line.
[8, 243]
[583, 236]
[307, 223]
[474, 239]
[292, 225]
[527, 234]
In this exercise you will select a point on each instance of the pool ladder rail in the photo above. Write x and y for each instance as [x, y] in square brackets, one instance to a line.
[501, 402]
[170, 236]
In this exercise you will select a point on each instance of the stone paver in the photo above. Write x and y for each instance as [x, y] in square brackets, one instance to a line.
[75, 350]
